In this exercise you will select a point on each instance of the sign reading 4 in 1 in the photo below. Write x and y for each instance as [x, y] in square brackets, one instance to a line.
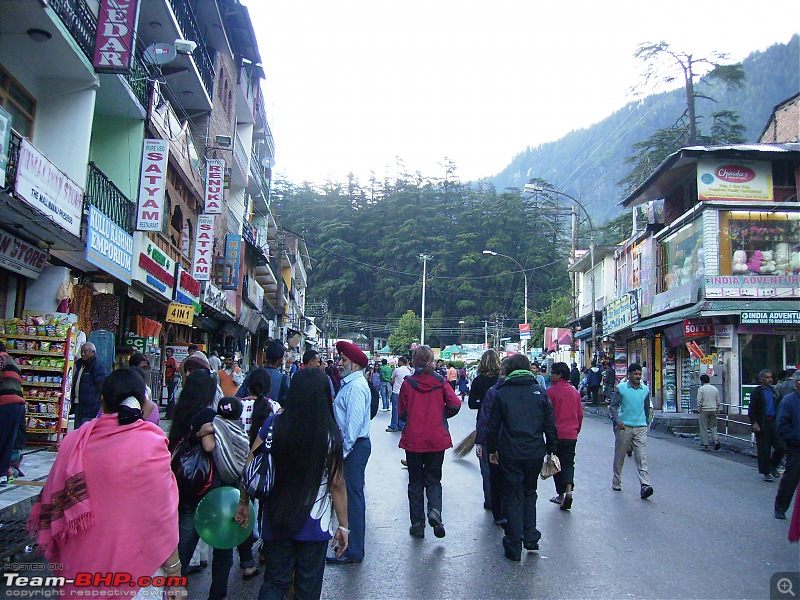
[180, 313]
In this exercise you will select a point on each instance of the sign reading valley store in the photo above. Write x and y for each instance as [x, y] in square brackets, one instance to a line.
[151, 267]
[108, 246]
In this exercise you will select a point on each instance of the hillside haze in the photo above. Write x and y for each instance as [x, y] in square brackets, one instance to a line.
[588, 163]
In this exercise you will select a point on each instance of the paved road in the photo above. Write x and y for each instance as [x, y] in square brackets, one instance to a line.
[708, 531]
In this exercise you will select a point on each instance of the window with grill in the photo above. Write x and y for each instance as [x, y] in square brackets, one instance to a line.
[18, 102]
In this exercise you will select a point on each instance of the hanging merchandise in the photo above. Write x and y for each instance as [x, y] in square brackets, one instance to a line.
[105, 312]
[82, 302]
[64, 296]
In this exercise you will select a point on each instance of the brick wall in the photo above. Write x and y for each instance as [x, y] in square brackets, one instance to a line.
[784, 124]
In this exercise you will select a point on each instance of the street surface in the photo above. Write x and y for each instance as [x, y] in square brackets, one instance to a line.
[707, 532]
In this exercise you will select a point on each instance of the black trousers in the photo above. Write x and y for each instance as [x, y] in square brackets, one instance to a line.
[519, 501]
[768, 440]
[424, 475]
[789, 481]
[288, 560]
[566, 454]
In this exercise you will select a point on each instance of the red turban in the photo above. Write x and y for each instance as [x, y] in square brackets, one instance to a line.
[353, 352]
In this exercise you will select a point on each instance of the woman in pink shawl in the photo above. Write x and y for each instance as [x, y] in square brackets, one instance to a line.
[89, 517]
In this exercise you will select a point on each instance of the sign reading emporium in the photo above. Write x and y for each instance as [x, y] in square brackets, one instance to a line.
[108, 246]
[152, 185]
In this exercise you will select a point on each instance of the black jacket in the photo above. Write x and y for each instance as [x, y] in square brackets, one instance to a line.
[88, 404]
[521, 413]
[575, 378]
[758, 405]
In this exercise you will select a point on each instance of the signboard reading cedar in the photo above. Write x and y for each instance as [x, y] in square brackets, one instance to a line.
[791, 317]
[116, 34]
[215, 174]
[152, 185]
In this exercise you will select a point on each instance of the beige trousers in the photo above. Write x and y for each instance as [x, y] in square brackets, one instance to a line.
[624, 439]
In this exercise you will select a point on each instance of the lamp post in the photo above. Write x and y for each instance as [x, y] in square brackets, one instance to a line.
[461, 323]
[523, 343]
[532, 189]
[424, 258]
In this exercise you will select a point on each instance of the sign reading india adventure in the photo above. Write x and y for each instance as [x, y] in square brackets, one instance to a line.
[180, 313]
[791, 317]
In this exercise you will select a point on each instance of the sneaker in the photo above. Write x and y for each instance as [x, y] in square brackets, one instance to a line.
[779, 514]
[3, 480]
[534, 547]
[646, 492]
[435, 521]
[616, 488]
[768, 477]
[392, 429]
[417, 531]
[775, 474]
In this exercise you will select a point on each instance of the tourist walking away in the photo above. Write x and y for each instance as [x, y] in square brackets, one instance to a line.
[463, 386]
[495, 473]
[297, 521]
[707, 407]
[192, 425]
[568, 415]
[594, 378]
[12, 409]
[452, 375]
[171, 379]
[110, 504]
[398, 376]
[575, 376]
[788, 426]
[86, 384]
[763, 410]
[352, 411]
[487, 374]
[609, 382]
[215, 363]
[426, 402]
[521, 430]
[630, 413]
[386, 384]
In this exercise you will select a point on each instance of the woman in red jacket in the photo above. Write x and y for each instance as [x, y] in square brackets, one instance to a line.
[568, 414]
[426, 402]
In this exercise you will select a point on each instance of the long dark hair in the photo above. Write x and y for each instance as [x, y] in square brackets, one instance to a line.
[306, 443]
[118, 386]
[258, 384]
[198, 393]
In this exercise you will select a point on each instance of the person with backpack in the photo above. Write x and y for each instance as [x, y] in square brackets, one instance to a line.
[594, 378]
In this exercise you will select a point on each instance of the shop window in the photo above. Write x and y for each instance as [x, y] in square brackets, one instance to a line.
[783, 174]
[759, 243]
[760, 352]
[18, 102]
[682, 256]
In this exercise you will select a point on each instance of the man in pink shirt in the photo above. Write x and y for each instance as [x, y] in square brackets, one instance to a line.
[568, 414]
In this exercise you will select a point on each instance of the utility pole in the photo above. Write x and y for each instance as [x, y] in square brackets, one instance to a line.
[424, 258]
[485, 333]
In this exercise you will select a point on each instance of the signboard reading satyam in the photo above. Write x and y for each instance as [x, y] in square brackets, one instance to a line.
[791, 317]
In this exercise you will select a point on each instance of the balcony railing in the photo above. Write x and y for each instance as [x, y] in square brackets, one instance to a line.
[107, 197]
[240, 154]
[188, 24]
[79, 21]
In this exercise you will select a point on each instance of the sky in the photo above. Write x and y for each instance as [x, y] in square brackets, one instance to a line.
[353, 84]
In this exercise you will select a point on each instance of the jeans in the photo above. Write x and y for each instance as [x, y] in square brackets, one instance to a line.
[624, 439]
[520, 477]
[286, 557]
[355, 464]
[386, 392]
[767, 439]
[222, 558]
[424, 475]
[245, 549]
[10, 416]
[492, 485]
[789, 481]
[395, 422]
[708, 420]
[566, 455]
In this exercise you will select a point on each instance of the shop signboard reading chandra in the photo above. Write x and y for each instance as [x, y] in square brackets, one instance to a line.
[734, 179]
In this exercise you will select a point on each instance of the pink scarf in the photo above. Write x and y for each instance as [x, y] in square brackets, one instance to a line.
[794, 527]
[110, 503]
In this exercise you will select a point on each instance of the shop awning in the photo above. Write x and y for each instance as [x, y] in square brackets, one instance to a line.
[670, 317]
[583, 334]
[727, 307]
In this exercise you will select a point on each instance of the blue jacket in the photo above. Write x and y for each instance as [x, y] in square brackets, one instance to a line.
[788, 421]
[94, 373]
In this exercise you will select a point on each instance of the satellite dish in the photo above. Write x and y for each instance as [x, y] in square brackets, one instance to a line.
[160, 53]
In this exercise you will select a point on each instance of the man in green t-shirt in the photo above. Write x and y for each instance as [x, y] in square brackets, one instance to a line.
[386, 385]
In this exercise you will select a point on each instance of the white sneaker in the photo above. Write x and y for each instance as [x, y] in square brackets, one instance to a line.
[4, 480]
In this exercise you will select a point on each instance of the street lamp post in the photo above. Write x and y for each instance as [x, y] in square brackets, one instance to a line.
[523, 343]
[532, 189]
[424, 258]
[461, 339]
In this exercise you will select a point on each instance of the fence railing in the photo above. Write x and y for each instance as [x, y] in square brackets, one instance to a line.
[109, 199]
[202, 56]
[79, 21]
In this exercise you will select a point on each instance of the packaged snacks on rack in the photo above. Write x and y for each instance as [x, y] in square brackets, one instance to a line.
[44, 346]
[57, 347]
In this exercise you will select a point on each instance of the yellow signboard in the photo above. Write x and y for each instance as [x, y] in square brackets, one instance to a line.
[182, 314]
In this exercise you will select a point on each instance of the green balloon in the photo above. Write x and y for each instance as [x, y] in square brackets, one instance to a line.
[214, 519]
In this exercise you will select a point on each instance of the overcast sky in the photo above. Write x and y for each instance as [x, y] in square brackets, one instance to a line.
[351, 84]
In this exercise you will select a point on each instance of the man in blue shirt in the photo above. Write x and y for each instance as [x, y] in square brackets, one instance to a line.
[764, 401]
[352, 411]
[788, 426]
[630, 412]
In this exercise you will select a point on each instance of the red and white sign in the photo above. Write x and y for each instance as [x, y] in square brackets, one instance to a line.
[152, 185]
[203, 247]
[42, 185]
[524, 331]
[21, 257]
[734, 180]
[697, 328]
[215, 174]
[116, 34]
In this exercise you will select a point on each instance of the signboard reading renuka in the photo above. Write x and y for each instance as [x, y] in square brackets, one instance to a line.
[791, 317]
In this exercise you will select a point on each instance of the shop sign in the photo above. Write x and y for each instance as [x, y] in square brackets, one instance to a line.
[215, 171]
[673, 298]
[231, 304]
[152, 185]
[524, 331]
[203, 246]
[621, 313]
[233, 258]
[108, 246]
[187, 289]
[791, 317]
[116, 34]
[214, 297]
[180, 314]
[698, 327]
[255, 293]
[42, 185]
[21, 257]
[733, 179]
[249, 234]
[139, 344]
[152, 267]
[5, 141]
[752, 286]
[723, 336]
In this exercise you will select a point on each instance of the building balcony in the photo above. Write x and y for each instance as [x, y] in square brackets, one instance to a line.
[108, 199]
[241, 162]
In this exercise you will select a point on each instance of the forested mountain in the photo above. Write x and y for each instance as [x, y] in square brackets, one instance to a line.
[588, 163]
